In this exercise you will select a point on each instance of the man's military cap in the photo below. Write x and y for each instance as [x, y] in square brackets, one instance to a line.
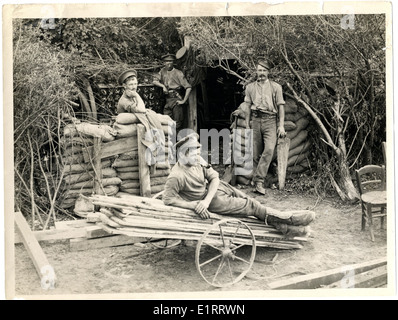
[189, 141]
[264, 63]
[126, 74]
[169, 57]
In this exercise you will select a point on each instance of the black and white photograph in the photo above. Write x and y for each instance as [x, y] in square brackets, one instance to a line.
[188, 150]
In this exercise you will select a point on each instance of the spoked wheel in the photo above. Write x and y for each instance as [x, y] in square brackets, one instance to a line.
[223, 254]
[164, 243]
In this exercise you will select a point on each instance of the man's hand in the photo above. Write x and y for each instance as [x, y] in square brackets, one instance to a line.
[281, 132]
[131, 93]
[165, 91]
[201, 209]
[180, 101]
[238, 112]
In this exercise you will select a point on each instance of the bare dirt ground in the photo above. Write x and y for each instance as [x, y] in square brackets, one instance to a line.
[336, 241]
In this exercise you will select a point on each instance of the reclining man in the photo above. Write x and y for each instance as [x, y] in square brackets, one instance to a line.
[193, 184]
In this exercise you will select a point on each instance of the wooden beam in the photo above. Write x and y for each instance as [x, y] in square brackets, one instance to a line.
[206, 110]
[97, 165]
[112, 148]
[324, 278]
[39, 259]
[54, 235]
[104, 242]
[144, 173]
[370, 279]
[95, 232]
[192, 111]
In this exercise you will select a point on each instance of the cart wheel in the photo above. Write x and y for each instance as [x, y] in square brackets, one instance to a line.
[223, 256]
[164, 243]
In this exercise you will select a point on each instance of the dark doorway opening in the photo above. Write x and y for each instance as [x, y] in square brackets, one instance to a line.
[223, 95]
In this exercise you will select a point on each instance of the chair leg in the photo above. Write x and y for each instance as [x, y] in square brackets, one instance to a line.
[363, 217]
[382, 218]
[370, 220]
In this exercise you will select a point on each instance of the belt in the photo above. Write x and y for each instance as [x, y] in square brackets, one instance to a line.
[259, 114]
[173, 94]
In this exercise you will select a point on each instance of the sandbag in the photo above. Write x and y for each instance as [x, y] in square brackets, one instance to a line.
[164, 119]
[69, 151]
[125, 130]
[243, 180]
[134, 191]
[297, 140]
[129, 175]
[289, 125]
[296, 169]
[81, 167]
[132, 155]
[72, 179]
[83, 204]
[160, 173]
[67, 203]
[130, 185]
[126, 182]
[297, 158]
[127, 169]
[108, 173]
[71, 131]
[103, 131]
[301, 124]
[156, 189]
[90, 183]
[126, 118]
[241, 123]
[290, 106]
[109, 191]
[158, 181]
[73, 159]
[120, 163]
[293, 117]
[303, 147]
[163, 165]
[66, 142]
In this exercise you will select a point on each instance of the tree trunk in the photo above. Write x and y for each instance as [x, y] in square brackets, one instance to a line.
[344, 186]
[345, 181]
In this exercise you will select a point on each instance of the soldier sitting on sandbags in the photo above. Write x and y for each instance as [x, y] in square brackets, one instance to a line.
[131, 102]
[194, 184]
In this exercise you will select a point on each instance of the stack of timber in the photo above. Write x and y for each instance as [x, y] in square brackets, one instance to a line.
[151, 218]
[78, 174]
[131, 167]
[296, 124]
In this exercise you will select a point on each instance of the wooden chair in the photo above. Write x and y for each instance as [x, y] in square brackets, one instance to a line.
[372, 189]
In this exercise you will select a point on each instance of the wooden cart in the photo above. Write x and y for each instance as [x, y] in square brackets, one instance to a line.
[226, 247]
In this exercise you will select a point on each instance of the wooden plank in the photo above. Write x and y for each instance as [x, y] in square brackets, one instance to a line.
[68, 224]
[282, 155]
[97, 165]
[324, 278]
[104, 242]
[39, 259]
[370, 279]
[112, 148]
[54, 235]
[144, 173]
[192, 111]
[95, 232]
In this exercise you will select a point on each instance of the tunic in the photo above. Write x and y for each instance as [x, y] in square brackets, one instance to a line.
[190, 184]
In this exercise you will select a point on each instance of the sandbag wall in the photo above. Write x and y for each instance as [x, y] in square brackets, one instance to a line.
[78, 175]
[297, 121]
[127, 164]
